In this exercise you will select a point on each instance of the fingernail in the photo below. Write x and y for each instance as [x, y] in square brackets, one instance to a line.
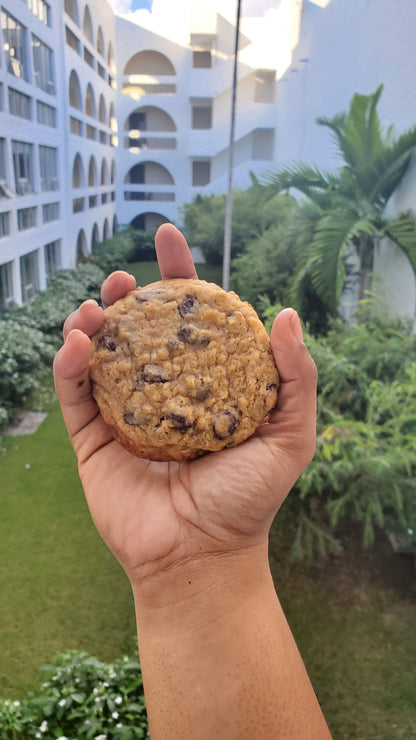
[296, 327]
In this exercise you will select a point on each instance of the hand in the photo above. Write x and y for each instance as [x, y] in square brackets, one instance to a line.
[155, 515]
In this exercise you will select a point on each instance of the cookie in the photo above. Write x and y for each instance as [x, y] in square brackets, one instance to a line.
[181, 368]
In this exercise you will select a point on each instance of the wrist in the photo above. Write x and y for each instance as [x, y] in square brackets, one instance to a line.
[201, 590]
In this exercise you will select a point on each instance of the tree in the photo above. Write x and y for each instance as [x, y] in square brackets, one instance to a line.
[349, 204]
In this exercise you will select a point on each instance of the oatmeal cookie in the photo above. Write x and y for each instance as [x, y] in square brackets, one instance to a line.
[180, 368]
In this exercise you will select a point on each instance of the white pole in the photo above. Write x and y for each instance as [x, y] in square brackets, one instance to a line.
[229, 199]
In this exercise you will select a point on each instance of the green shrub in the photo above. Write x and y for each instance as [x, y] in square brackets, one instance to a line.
[364, 468]
[115, 253]
[80, 698]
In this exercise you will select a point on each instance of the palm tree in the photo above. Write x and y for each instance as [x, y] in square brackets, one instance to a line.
[348, 205]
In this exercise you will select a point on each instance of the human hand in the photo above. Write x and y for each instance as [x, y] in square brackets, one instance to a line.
[157, 515]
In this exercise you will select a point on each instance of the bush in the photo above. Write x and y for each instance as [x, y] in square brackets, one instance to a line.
[115, 253]
[81, 698]
[364, 468]
[30, 335]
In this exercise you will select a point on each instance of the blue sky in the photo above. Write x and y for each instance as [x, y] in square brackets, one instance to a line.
[137, 4]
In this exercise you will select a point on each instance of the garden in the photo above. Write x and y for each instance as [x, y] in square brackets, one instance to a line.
[69, 666]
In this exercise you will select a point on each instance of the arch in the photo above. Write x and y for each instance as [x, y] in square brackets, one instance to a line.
[149, 118]
[149, 62]
[92, 172]
[78, 173]
[95, 236]
[106, 230]
[81, 248]
[149, 221]
[71, 9]
[75, 97]
[113, 172]
[100, 42]
[110, 58]
[87, 25]
[102, 113]
[112, 120]
[90, 102]
[149, 173]
[104, 172]
[115, 224]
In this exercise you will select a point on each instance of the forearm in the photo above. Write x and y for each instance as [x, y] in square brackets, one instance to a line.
[218, 658]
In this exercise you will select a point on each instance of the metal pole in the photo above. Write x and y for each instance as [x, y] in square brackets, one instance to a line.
[229, 199]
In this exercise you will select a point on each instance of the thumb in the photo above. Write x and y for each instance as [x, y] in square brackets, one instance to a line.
[292, 424]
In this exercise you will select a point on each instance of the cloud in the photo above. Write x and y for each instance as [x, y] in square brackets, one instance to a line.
[120, 6]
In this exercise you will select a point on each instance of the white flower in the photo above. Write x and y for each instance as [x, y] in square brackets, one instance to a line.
[16, 703]
[62, 737]
[118, 700]
[44, 726]
[115, 715]
[61, 702]
[100, 737]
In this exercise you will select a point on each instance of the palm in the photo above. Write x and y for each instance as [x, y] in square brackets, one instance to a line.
[349, 204]
[164, 510]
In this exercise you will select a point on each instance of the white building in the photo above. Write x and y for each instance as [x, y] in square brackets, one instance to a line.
[57, 155]
[108, 120]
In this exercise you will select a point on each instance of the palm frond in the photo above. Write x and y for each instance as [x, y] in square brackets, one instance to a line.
[308, 179]
[402, 232]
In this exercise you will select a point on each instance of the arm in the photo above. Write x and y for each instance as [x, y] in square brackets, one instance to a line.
[217, 656]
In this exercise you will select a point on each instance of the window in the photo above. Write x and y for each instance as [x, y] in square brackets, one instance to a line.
[26, 218]
[3, 160]
[20, 104]
[29, 275]
[4, 224]
[202, 116]
[72, 40]
[23, 167]
[201, 172]
[50, 212]
[46, 114]
[6, 286]
[14, 45]
[52, 253]
[201, 59]
[48, 161]
[43, 66]
[42, 10]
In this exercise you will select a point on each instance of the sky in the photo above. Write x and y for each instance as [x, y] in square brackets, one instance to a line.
[250, 7]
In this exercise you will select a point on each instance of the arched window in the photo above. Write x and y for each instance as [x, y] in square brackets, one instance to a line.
[71, 9]
[90, 102]
[115, 224]
[110, 59]
[100, 42]
[149, 63]
[75, 98]
[106, 230]
[92, 173]
[104, 172]
[82, 252]
[148, 221]
[113, 172]
[149, 173]
[149, 118]
[95, 236]
[102, 117]
[112, 120]
[78, 174]
[87, 25]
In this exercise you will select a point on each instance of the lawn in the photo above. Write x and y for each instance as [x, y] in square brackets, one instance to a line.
[59, 585]
[354, 617]
[148, 272]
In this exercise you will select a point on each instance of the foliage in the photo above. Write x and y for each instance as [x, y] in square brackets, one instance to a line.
[115, 253]
[349, 203]
[81, 698]
[31, 334]
[204, 219]
[143, 246]
[365, 462]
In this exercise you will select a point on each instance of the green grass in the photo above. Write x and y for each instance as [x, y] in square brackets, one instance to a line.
[59, 585]
[148, 272]
[60, 588]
